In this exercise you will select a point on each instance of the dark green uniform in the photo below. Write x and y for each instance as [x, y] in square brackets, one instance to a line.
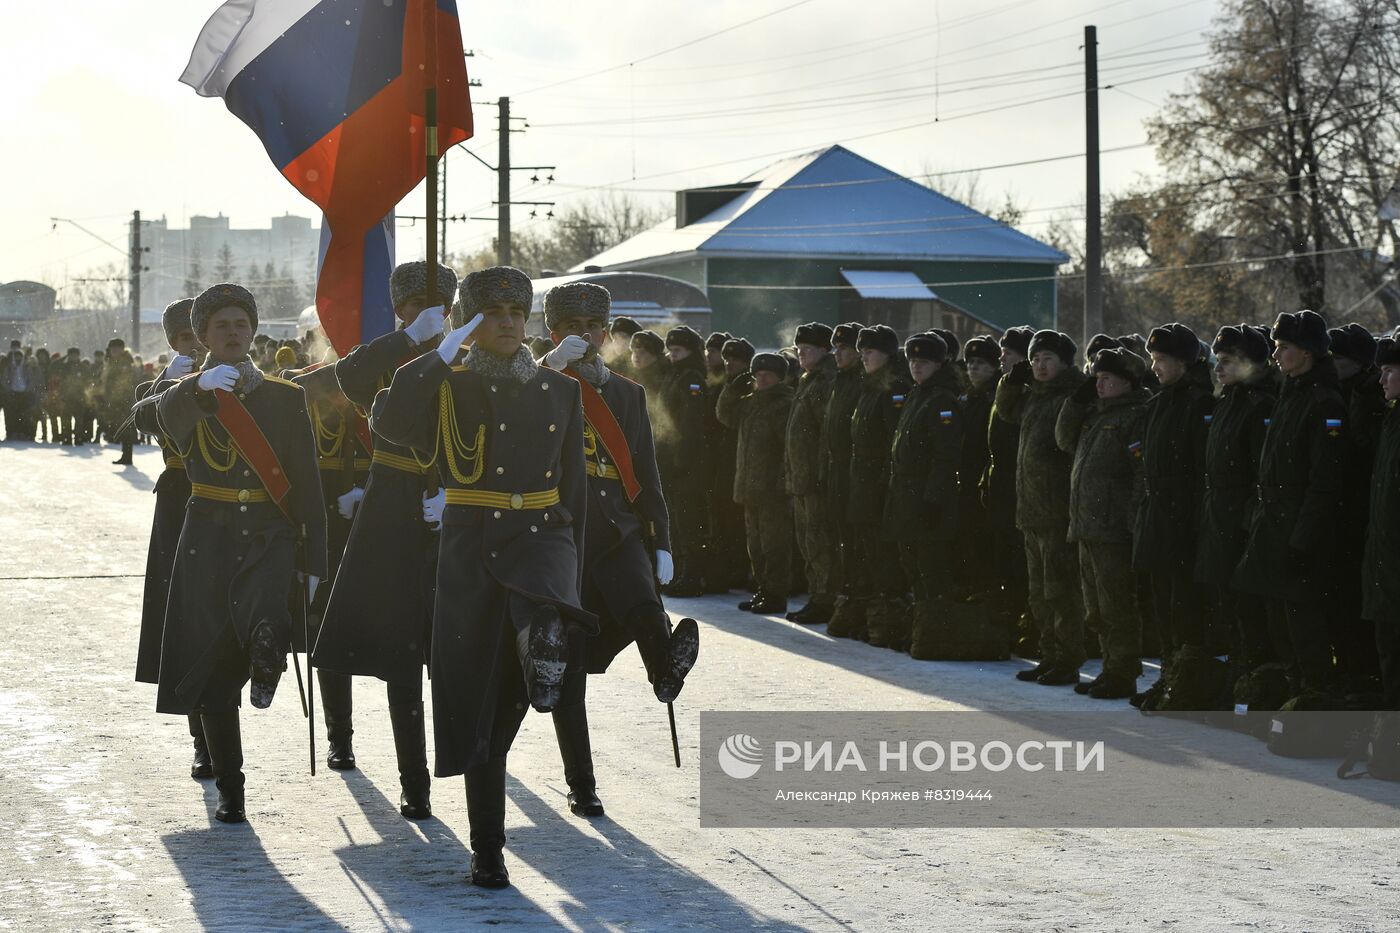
[973, 563]
[806, 450]
[761, 420]
[882, 398]
[1380, 573]
[1352, 639]
[683, 456]
[1105, 488]
[849, 578]
[997, 491]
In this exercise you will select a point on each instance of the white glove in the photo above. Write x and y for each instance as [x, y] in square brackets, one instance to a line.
[427, 325]
[311, 581]
[348, 502]
[432, 508]
[571, 348]
[179, 366]
[665, 567]
[220, 377]
[452, 342]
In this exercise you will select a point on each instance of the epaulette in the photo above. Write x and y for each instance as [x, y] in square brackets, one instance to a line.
[279, 380]
[461, 368]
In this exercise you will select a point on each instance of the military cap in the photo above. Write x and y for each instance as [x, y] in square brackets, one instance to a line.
[1388, 352]
[1243, 340]
[716, 340]
[576, 299]
[813, 334]
[285, 358]
[623, 325]
[879, 337]
[1055, 342]
[1018, 339]
[650, 342]
[687, 337]
[499, 285]
[950, 341]
[1175, 340]
[217, 297]
[737, 349]
[928, 346]
[1121, 362]
[775, 363]
[1307, 329]
[1100, 342]
[176, 317]
[845, 334]
[1355, 343]
[409, 280]
[982, 347]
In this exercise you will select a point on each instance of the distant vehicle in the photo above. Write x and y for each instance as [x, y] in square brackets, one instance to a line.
[653, 301]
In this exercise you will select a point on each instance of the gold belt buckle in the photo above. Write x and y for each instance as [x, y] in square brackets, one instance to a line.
[517, 501]
[244, 495]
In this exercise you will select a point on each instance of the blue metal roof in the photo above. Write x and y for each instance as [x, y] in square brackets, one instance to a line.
[835, 203]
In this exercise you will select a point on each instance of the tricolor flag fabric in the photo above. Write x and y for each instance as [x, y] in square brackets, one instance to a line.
[334, 89]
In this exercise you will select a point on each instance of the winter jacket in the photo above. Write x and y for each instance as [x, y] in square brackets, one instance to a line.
[761, 419]
[1042, 468]
[805, 443]
[1105, 480]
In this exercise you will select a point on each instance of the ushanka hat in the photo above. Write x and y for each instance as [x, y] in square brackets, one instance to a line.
[928, 346]
[1100, 342]
[1307, 329]
[1355, 343]
[623, 325]
[813, 333]
[845, 334]
[499, 285]
[982, 347]
[775, 363]
[880, 337]
[217, 297]
[1055, 342]
[576, 299]
[717, 340]
[409, 280]
[1121, 362]
[737, 349]
[1387, 352]
[950, 341]
[1242, 340]
[175, 318]
[1018, 339]
[649, 341]
[1175, 340]
[687, 337]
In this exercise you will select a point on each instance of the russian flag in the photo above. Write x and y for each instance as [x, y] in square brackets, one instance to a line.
[334, 89]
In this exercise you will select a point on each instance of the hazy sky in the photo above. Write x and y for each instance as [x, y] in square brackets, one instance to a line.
[97, 125]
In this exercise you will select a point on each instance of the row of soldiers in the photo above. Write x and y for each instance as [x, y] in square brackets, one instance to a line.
[68, 399]
[437, 497]
[1123, 507]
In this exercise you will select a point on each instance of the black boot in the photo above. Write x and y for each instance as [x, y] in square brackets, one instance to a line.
[201, 768]
[336, 702]
[411, 749]
[667, 656]
[486, 813]
[1033, 673]
[571, 728]
[267, 656]
[544, 655]
[226, 753]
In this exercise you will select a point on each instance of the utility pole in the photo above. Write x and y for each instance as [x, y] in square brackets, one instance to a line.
[503, 256]
[442, 214]
[1093, 222]
[136, 269]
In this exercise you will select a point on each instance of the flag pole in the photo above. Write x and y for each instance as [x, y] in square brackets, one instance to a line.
[431, 153]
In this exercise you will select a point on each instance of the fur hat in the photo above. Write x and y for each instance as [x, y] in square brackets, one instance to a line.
[982, 347]
[1018, 339]
[576, 299]
[216, 297]
[1307, 329]
[410, 280]
[950, 341]
[1121, 362]
[1388, 352]
[814, 334]
[1243, 340]
[1055, 342]
[879, 337]
[928, 346]
[1100, 342]
[623, 326]
[650, 342]
[1175, 340]
[717, 340]
[737, 349]
[1355, 343]
[495, 286]
[775, 363]
[176, 317]
[284, 358]
[687, 337]
[845, 334]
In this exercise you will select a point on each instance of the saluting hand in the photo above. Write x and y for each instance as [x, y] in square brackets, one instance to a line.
[453, 341]
[427, 325]
[570, 349]
[179, 366]
[220, 377]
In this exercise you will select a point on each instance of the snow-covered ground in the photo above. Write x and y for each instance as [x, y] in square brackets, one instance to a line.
[101, 827]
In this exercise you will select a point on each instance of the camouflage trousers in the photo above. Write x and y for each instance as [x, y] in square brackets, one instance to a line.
[813, 518]
[1111, 607]
[1052, 577]
[769, 526]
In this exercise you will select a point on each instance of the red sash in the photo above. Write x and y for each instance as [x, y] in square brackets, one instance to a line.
[604, 423]
[253, 447]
